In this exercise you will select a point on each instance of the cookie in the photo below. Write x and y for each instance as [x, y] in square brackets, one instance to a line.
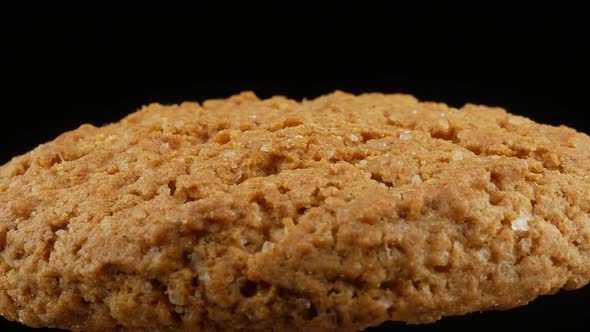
[332, 214]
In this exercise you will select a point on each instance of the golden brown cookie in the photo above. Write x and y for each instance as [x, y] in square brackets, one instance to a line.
[332, 214]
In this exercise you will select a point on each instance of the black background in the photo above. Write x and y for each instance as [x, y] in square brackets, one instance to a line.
[64, 66]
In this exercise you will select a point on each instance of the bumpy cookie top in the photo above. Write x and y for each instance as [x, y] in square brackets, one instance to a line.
[332, 214]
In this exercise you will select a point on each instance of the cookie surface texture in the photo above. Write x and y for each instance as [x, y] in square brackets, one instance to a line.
[332, 214]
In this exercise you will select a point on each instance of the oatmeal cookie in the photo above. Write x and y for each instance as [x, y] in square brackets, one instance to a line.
[332, 214]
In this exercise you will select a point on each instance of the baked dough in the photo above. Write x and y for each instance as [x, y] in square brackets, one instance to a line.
[332, 214]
